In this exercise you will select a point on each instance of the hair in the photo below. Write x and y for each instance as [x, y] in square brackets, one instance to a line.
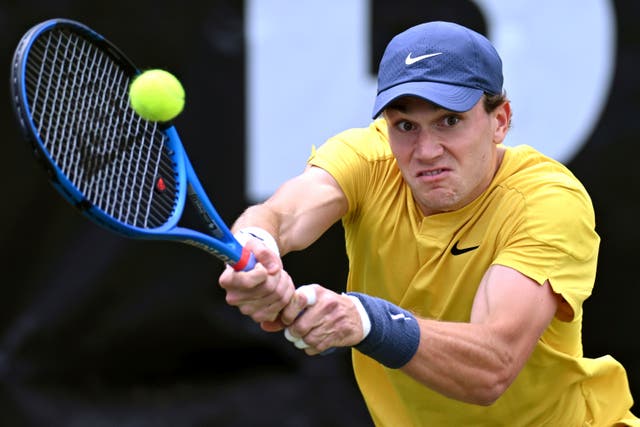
[493, 101]
[490, 102]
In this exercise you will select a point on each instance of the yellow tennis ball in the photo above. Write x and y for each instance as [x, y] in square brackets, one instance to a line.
[156, 95]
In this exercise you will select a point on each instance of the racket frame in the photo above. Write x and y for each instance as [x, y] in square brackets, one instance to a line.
[220, 242]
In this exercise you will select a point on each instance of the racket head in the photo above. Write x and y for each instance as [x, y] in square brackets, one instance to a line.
[69, 87]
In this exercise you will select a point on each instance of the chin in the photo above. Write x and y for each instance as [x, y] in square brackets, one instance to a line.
[432, 206]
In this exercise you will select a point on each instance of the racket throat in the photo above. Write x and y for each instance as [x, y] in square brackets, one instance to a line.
[213, 229]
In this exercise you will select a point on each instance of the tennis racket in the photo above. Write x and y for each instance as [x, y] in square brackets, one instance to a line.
[69, 87]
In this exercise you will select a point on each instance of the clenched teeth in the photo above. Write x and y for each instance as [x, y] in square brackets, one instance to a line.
[431, 173]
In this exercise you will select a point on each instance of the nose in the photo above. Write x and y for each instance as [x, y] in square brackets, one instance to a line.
[427, 146]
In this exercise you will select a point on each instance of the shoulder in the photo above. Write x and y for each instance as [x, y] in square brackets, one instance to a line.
[540, 179]
[360, 160]
[369, 143]
[553, 205]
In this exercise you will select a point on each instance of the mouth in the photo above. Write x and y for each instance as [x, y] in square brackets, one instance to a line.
[430, 173]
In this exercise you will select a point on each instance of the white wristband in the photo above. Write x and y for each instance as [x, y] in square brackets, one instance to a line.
[364, 316]
[247, 233]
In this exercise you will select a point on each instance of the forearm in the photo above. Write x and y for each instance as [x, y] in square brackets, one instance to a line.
[299, 212]
[473, 362]
[259, 216]
[278, 224]
[464, 361]
[477, 361]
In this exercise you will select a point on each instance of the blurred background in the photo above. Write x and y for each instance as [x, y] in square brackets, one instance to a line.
[98, 330]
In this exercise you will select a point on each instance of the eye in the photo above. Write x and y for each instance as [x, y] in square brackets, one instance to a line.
[450, 121]
[405, 126]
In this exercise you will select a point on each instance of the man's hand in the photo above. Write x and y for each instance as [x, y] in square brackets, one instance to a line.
[262, 292]
[331, 321]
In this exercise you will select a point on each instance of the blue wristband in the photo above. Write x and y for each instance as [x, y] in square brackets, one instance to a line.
[394, 335]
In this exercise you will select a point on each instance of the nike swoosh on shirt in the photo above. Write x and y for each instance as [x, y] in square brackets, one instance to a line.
[409, 60]
[455, 250]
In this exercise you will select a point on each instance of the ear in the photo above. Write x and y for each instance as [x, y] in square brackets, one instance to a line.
[502, 120]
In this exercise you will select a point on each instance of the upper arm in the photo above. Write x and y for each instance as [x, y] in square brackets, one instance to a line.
[515, 308]
[305, 207]
[475, 362]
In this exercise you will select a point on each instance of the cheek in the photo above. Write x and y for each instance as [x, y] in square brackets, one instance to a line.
[401, 151]
[479, 167]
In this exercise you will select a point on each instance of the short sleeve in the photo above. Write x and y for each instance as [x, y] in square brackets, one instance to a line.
[554, 238]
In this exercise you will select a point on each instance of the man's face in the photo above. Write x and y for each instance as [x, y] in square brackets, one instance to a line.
[448, 159]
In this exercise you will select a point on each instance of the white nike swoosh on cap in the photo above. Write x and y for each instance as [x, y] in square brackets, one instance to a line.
[409, 60]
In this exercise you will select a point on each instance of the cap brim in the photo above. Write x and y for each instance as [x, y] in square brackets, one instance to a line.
[449, 97]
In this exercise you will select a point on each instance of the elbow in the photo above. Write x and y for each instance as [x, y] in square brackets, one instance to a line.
[488, 391]
[494, 380]
[486, 397]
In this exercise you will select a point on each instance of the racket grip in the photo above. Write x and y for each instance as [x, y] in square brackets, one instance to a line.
[246, 262]
[251, 263]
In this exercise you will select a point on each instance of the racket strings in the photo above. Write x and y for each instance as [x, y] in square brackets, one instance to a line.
[78, 95]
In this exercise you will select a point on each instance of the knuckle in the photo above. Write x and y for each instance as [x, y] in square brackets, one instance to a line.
[224, 281]
[246, 309]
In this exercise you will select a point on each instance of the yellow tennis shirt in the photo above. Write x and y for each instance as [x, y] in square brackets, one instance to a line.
[535, 217]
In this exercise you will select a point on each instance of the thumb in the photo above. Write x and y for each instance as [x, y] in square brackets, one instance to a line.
[265, 256]
[272, 326]
[305, 296]
[250, 236]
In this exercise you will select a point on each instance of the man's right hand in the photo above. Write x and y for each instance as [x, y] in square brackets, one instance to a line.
[262, 292]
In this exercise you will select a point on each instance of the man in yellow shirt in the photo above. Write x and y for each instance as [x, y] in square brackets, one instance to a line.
[469, 261]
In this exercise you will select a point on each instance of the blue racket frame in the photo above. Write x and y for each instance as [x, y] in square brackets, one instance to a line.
[220, 243]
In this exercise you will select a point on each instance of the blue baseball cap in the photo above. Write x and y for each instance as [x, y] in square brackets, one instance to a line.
[442, 62]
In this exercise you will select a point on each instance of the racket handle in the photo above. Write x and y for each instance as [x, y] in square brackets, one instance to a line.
[246, 262]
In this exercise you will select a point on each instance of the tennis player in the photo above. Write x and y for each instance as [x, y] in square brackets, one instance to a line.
[469, 260]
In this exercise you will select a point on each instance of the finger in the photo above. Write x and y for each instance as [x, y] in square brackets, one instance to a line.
[239, 282]
[272, 326]
[280, 293]
[309, 293]
[265, 256]
[303, 297]
[226, 276]
[297, 341]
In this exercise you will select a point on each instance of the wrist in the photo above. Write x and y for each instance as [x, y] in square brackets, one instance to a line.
[394, 335]
[364, 316]
[243, 235]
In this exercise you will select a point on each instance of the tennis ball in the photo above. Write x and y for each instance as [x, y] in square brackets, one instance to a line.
[156, 95]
